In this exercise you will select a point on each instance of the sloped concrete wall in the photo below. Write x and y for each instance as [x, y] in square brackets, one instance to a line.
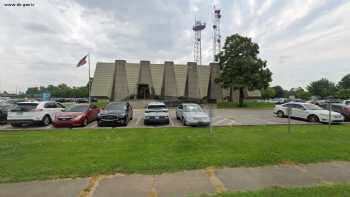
[102, 84]
[157, 77]
[215, 91]
[132, 73]
[203, 80]
[192, 86]
[120, 90]
[145, 76]
[169, 80]
[180, 75]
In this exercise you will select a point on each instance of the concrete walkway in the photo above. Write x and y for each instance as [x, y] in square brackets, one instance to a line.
[179, 184]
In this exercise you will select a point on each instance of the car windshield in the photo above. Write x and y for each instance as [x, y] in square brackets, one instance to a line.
[116, 106]
[312, 107]
[156, 107]
[77, 108]
[192, 108]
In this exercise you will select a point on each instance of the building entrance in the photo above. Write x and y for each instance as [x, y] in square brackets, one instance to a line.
[143, 91]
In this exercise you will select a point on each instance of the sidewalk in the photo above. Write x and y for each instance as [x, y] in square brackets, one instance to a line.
[179, 184]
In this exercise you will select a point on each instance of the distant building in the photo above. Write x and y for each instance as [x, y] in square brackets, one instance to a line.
[121, 80]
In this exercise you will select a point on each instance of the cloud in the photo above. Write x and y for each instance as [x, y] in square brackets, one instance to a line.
[41, 45]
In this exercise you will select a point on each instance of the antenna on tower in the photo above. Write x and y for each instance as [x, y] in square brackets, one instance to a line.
[197, 48]
[217, 33]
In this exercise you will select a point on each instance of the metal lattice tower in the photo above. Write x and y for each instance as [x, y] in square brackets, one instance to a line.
[197, 48]
[217, 34]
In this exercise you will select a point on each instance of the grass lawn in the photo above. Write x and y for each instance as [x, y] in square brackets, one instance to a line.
[340, 190]
[248, 104]
[74, 153]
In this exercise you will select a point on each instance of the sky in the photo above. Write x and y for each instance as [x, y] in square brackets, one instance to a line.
[302, 40]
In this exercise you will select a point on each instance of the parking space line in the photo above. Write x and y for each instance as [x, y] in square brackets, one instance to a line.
[171, 121]
[92, 124]
[138, 121]
[221, 121]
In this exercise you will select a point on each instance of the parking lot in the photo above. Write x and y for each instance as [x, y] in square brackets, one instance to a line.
[221, 117]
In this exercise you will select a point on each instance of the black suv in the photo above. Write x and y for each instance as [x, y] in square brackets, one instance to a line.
[115, 113]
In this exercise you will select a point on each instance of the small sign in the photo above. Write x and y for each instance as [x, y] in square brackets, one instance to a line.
[46, 96]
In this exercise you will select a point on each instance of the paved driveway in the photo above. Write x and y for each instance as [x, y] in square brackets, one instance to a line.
[221, 117]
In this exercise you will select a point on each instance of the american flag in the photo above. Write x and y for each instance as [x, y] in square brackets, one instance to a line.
[82, 61]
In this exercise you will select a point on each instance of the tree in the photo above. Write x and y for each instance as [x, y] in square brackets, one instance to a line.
[301, 93]
[62, 90]
[344, 83]
[323, 88]
[268, 93]
[279, 91]
[241, 68]
[343, 93]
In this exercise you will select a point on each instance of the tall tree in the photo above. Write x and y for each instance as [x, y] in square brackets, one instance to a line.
[301, 93]
[279, 91]
[268, 93]
[344, 83]
[241, 68]
[323, 88]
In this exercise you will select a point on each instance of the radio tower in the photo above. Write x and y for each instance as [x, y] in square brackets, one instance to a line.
[197, 49]
[217, 34]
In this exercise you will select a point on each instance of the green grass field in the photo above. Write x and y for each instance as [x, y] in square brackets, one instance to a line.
[340, 190]
[75, 153]
[248, 104]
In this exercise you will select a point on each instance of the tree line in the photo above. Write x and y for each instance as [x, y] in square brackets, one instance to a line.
[59, 91]
[322, 88]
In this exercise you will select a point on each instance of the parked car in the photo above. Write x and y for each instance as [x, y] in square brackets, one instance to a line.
[34, 112]
[192, 114]
[76, 115]
[5, 106]
[115, 113]
[340, 108]
[307, 111]
[81, 100]
[156, 113]
[346, 102]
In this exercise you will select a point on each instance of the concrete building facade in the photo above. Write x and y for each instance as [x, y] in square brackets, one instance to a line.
[122, 80]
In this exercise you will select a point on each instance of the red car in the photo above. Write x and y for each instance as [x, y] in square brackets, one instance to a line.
[76, 115]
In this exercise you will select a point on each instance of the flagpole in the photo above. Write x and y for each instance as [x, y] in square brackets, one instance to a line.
[89, 84]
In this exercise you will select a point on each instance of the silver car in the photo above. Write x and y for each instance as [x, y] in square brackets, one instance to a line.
[192, 114]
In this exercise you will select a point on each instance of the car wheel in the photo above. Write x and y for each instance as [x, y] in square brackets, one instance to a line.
[99, 124]
[280, 114]
[46, 120]
[313, 118]
[126, 121]
[86, 122]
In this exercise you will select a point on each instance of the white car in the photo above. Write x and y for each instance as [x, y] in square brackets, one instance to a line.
[156, 113]
[192, 114]
[346, 102]
[307, 111]
[33, 112]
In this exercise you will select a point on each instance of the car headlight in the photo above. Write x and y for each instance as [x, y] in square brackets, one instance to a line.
[146, 117]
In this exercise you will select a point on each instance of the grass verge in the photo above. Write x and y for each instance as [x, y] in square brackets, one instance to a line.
[248, 104]
[75, 153]
[339, 190]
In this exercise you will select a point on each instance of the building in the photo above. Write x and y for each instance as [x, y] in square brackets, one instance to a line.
[121, 80]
